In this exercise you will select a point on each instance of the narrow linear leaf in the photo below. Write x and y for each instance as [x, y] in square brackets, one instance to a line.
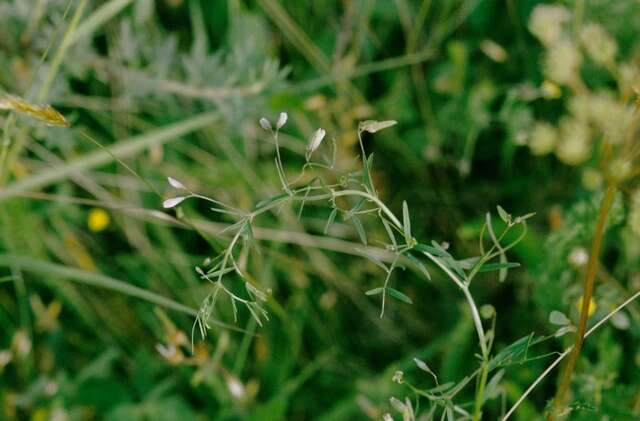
[332, 217]
[360, 230]
[374, 291]
[373, 259]
[438, 252]
[442, 388]
[392, 237]
[366, 176]
[498, 266]
[503, 214]
[419, 265]
[398, 295]
[502, 274]
[354, 210]
[270, 200]
[406, 222]
[492, 389]
[469, 263]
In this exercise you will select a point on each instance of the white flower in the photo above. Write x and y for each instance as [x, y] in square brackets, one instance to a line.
[600, 46]
[629, 78]
[578, 257]
[167, 351]
[5, 358]
[236, 388]
[546, 22]
[282, 120]
[543, 138]
[493, 50]
[264, 123]
[575, 142]
[315, 142]
[562, 62]
[619, 169]
[591, 178]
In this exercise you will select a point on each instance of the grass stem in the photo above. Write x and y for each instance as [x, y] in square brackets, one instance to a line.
[592, 268]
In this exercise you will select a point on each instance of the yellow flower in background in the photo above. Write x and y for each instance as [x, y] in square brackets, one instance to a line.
[550, 90]
[592, 305]
[98, 220]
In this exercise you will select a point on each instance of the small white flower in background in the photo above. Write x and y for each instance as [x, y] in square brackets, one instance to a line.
[591, 178]
[173, 202]
[543, 138]
[166, 351]
[546, 22]
[550, 90]
[50, 388]
[493, 50]
[575, 145]
[315, 142]
[398, 377]
[175, 183]
[387, 417]
[617, 126]
[282, 120]
[629, 78]
[5, 358]
[600, 46]
[620, 320]
[562, 62]
[21, 344]
[235, 387]
[405, 408]
[619, 169]
[264, 123]
[58, 414]
[578, 257]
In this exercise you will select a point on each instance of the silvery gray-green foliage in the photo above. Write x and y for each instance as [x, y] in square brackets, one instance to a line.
[154, 70]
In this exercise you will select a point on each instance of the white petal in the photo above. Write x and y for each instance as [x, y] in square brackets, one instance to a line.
[175, 183]
[316, 140]
[264, 123]
[282, 120]
[173, 202]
